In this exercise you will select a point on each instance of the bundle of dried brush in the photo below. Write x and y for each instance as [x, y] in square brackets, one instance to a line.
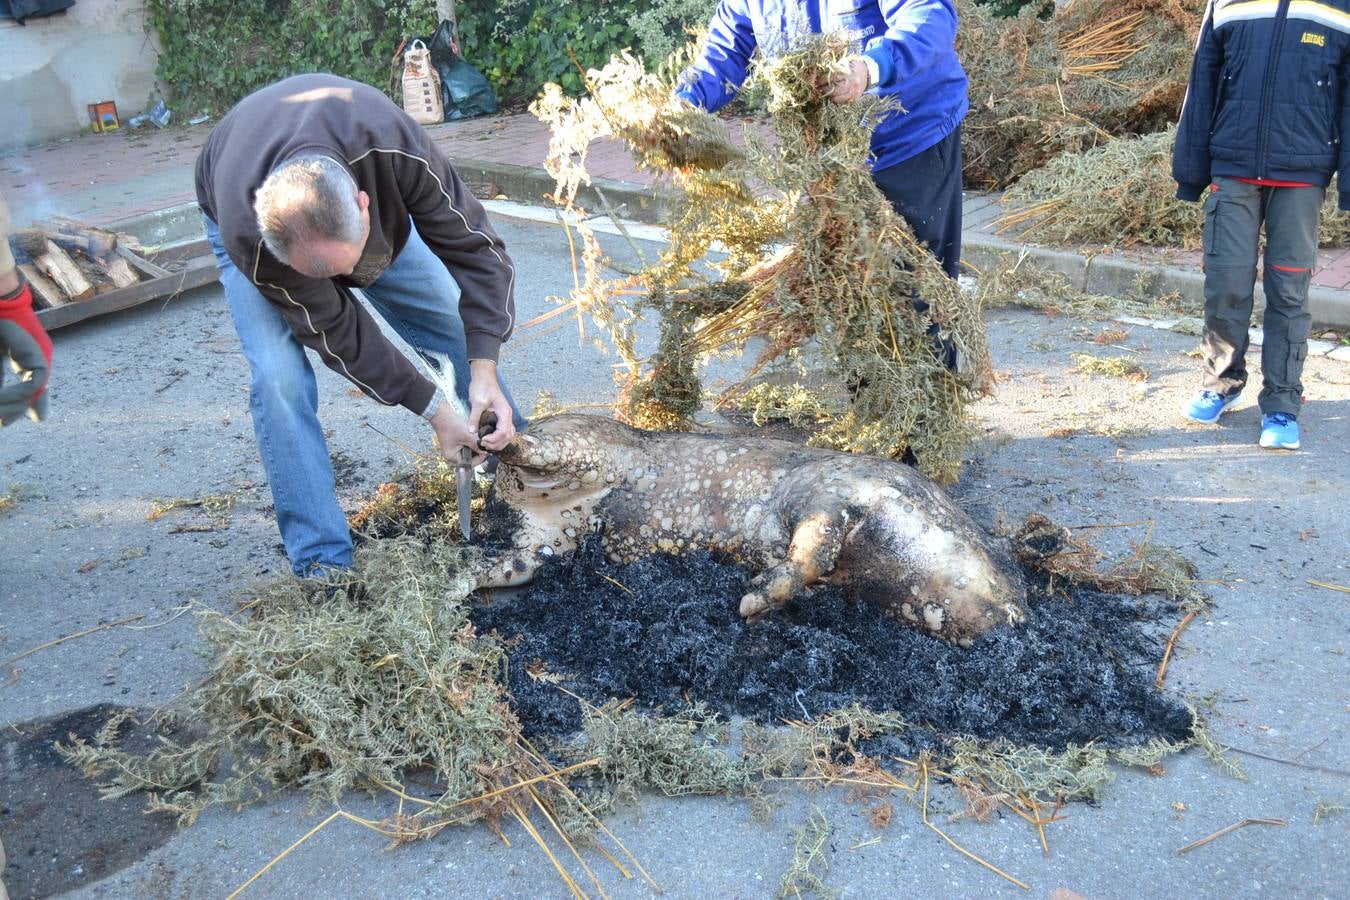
[818, 268]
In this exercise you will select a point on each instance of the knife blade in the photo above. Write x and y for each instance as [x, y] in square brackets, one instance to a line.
[464, 488]
[487, 423]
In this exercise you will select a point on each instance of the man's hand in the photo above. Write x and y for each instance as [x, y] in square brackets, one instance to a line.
[850, 82]
[452, 434]
[486, 394]
[29, 349]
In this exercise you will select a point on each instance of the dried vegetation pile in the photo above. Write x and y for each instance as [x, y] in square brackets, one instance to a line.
[335, 686]
[1051, 81]
[1075, 114]
[381, 682]
[1122, 192]
[819, 274]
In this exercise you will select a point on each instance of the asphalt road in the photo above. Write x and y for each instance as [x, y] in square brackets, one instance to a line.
[151, 405]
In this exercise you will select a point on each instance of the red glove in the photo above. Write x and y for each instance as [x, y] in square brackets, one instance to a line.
[30, 355]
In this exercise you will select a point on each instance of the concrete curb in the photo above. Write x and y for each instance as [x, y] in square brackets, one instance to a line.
[1112, 275]
[1107, 273]
[164, 227]
[603, 196]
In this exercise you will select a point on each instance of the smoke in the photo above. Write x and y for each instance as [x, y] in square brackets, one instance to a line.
[21, 183]
[28, 198]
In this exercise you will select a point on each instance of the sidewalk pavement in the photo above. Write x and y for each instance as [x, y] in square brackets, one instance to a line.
[147, 176]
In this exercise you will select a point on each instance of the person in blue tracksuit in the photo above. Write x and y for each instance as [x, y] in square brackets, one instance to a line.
[905, 48]
[1262, 127]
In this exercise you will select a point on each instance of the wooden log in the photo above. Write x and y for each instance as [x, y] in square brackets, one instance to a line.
[119, 271]
[129, 241]
[196, 271]
[75, 234]
[45, 294]
[140, 262]
[92, 269]
[87, 242]
[57, 265]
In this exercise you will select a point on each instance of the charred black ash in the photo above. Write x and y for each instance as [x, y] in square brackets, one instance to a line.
[665, 630]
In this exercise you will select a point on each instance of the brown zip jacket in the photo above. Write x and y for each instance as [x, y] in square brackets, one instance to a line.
[409, 182]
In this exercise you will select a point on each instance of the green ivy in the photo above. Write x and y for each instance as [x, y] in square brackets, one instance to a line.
[664, 27]
[216, 51]
[520, 48]
[1013, 7]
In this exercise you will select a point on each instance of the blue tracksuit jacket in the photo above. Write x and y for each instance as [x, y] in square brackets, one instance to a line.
[910, 40]
[1269, 96]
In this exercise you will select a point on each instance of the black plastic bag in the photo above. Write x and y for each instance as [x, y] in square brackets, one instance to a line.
[464, 91]
[18, 10]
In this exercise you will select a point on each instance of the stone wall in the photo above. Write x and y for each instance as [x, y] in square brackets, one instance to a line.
[54, 66]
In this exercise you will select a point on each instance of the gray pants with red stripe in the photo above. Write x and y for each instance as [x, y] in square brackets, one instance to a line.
[1234, 213]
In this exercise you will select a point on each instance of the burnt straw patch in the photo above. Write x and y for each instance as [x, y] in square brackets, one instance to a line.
[665, 631]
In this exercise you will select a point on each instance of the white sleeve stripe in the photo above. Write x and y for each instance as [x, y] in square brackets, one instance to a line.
[1304, 10]
[328, 351]
[511, 285]
[1319, 13]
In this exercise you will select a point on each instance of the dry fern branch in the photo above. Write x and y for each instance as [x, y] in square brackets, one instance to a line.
[817, 264]
[1065, 78]
[1122, 193]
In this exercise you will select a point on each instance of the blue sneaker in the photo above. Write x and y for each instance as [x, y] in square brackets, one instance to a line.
[1207, 406]
[1279, 431]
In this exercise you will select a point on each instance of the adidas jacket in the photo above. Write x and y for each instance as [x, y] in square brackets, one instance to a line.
[1268, 96]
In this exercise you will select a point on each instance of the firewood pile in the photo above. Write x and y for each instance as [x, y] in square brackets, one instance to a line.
[66, 261]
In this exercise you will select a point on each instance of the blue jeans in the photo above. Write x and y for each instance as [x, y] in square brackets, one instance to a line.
[419, 299]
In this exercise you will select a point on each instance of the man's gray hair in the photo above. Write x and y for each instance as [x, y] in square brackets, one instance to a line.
[308, 197]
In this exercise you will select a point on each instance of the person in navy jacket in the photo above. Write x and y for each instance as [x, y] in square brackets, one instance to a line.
[906, 50]
[1262, 127]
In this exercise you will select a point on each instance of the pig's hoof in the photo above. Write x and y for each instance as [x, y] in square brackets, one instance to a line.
[754, 606]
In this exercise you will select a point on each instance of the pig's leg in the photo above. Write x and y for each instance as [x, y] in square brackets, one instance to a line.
[532, 545]
[812, 555]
